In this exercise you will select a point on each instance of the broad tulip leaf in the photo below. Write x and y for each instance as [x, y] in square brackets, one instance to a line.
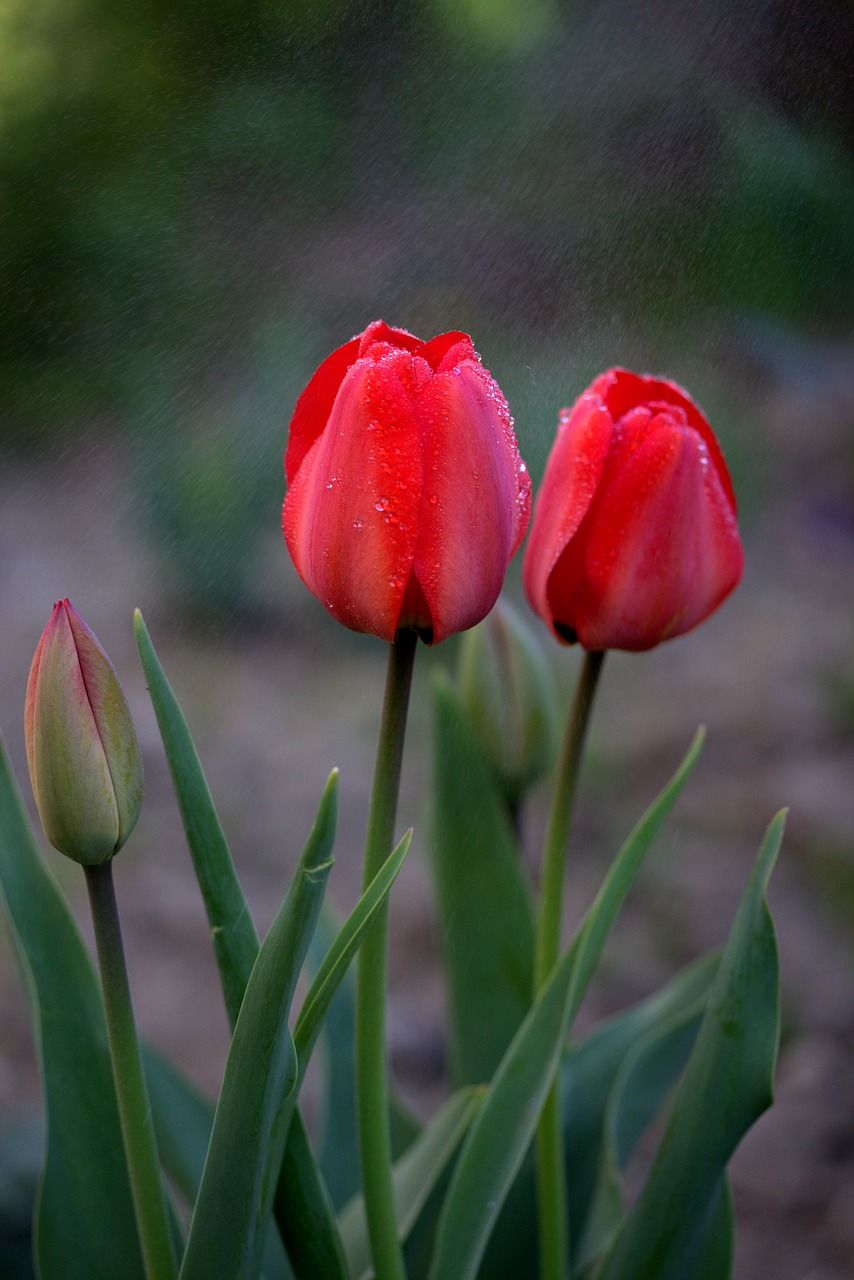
[339, 1148]
[592, 1071]
[678, 1219]
[416, 1174]
[85, 1227]
[234, 937]
[482, 898]
[235, 1198]
[646, 1076]
[183, 1120]
[587, 1076]
[305, 1214]
[505, 1123]
[235, 940]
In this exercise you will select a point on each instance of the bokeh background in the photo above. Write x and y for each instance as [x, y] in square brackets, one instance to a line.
[198, 200]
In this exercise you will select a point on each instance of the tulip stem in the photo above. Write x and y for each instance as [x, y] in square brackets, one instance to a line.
[371, 1057]
[551, 1179]
[134, 1107]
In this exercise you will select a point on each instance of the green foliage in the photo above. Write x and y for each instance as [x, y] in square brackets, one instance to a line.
[417, 1175]
[482, 898]
[145, 152]
[233, 934]
[85, 1227]
[678, 1220]
[502, 1130]
[235, 1198]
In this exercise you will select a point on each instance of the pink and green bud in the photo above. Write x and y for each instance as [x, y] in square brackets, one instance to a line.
[82, 751]
[506, 686]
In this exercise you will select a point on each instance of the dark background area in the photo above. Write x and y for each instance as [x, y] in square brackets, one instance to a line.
[197, 202]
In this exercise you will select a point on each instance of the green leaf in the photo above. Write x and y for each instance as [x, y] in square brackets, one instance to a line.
[726, 1085]
[85, 1227]
[183, 1120]
[235, 1198]
[235, 940]
[233, 932]
[305, 1214]
[503, 1128]
[588, 1072]
[645, 1077]
[482, 898]
[333, 967]
[593, 1065]
[339, 1148]
[416, 1175]
[303, 1208]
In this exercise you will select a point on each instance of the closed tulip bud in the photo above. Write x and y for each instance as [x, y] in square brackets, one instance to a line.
[406, 492]
[634, 538]
[82, 751]
[506, 686]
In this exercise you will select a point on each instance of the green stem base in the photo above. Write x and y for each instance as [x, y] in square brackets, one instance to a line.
[371, 1058]
[551, 1174]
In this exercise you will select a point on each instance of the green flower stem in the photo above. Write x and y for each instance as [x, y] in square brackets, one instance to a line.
[131, 1091]
[371, 1058]
[551, 1179]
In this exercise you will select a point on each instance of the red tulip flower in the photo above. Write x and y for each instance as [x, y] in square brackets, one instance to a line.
[634, 538]
[406, 492]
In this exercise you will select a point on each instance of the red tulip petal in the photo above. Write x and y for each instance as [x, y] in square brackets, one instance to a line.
[378, 332]
[659, 550]
[622, 390]
[571, 478]
[315, 404]
[476, 496]
[351, 512]
[447, 350]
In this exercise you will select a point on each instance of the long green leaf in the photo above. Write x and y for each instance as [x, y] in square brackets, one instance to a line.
[499, 1137]
[85, 1227]
[235, 940]
[482, 898]
[235, 1198]
[645, 1077]
[333, 967]
[588, 1074]
[183, 1121]
[234, 937]
[416, 1174]
[593, 1066]
[305, 1214]
[726, 1086]
[303, 1208]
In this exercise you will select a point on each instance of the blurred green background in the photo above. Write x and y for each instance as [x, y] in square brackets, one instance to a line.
[199, 199]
